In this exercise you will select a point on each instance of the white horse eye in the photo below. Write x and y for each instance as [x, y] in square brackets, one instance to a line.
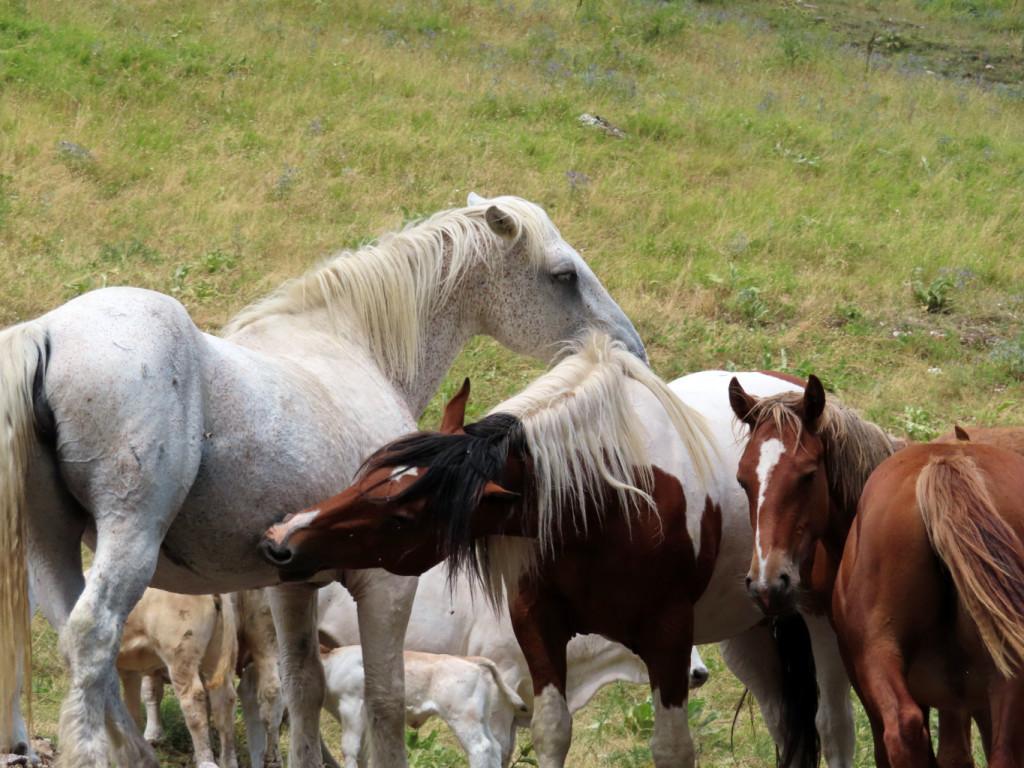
[568, 277]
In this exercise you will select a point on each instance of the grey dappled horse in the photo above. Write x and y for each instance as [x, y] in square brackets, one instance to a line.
[171, 450]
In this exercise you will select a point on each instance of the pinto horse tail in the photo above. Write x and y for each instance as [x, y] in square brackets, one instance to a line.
[802, 746]
[984, 555]
[23, 351]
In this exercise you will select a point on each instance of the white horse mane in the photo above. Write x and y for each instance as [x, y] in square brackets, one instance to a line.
[583, 431]
[389, 288]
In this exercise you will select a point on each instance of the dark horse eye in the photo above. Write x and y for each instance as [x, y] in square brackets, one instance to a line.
[568, 277]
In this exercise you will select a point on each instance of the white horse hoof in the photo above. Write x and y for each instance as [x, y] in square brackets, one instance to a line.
[207, 764]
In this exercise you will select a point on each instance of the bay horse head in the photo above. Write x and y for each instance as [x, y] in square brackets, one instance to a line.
[391, 517]
[782, 471]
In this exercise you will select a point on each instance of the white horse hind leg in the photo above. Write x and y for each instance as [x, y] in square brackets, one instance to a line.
[302, 672]
[383, 603]
[89, 641]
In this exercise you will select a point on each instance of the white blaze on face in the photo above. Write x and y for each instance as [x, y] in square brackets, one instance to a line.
[771, 452]
[401, 472]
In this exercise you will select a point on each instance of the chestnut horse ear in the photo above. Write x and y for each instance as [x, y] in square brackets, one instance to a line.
[742, 403]
[961, 433]
[814, 401]
[501, 223]
[494, 492]
[455, 412]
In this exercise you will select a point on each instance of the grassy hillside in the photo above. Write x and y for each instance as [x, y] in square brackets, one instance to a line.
[831, 187]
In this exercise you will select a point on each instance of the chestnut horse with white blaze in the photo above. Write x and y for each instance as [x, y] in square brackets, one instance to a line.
[804, 466]
[929, 599]
[640, 533]
[171, 451]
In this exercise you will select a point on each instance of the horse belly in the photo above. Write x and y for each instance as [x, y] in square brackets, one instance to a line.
[276, 441]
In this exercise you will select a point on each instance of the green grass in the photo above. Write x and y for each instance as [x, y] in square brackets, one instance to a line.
[830, 187]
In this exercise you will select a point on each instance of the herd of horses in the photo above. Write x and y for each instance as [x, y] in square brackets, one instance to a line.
[746, 509]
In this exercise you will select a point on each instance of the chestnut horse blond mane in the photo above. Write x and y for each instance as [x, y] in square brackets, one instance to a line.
[984, 555]
[853, 446]
[583, 433]
[389, 288]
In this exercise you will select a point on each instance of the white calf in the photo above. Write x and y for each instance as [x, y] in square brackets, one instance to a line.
[467, 692]
[190, 639]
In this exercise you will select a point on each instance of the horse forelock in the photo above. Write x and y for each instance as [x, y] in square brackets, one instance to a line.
[585, 438]
[853, 447]
[459, 466]
[389, 289]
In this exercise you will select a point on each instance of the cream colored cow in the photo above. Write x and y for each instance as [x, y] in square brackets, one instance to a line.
[190, 640]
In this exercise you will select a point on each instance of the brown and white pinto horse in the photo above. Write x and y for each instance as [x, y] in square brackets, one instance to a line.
[620, 514]
[929, 599]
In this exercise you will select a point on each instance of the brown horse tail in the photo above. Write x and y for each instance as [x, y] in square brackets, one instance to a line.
[983, 554]
[22, 361]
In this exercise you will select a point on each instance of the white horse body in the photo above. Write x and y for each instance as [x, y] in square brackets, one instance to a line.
[176, 449]
[725, 614]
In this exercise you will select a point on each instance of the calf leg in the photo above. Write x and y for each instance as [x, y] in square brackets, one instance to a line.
[222, 706]
[131, 684]
[152, 697]
[472, 729]
[191, 692]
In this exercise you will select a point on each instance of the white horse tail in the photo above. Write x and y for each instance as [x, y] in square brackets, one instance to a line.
[22, 351]
[504, 687]
[227, 657]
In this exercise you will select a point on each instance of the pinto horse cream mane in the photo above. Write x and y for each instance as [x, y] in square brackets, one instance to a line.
[853, 446]
[389, 288]
[582, 433]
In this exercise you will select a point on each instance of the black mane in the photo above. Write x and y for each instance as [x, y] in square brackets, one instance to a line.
[460, 465]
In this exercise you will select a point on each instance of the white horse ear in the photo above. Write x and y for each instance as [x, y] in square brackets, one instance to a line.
[501, 223]
[474, 199]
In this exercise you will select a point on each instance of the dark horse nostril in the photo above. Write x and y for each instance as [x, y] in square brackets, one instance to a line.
[749, 582]
[700, 676]
[784, 578]
[275, 554]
